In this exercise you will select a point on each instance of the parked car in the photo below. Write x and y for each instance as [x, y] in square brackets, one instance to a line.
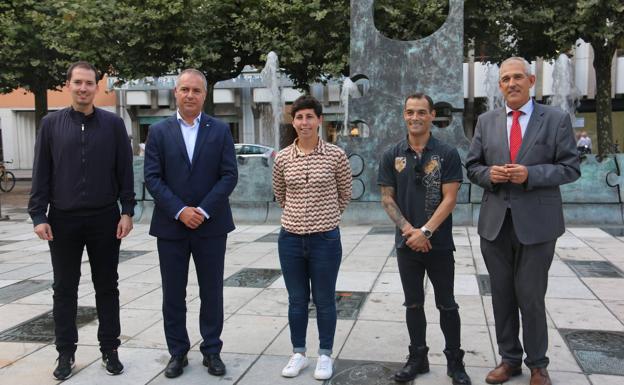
[253, 150]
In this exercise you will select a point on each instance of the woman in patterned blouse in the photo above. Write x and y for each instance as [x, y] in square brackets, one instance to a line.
[312, 183]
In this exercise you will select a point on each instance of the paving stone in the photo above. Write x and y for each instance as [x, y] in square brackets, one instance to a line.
[348, 304]
[248, 277]
[250, 334]
[568, 287]
[484, 284]
[606, 289]
[382, 230]
[353, 372]
[272, 237]
[282, 345]
[196, 374]
[126, 255]
[13, 351]
[614, 231]
[267, 371]
[599, 269]
[41, 328]
[36, 368]
[140, 366]
[581, 314]
[597, 351]
[22, 289]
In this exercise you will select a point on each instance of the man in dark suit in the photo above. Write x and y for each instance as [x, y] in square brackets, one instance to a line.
[520, 155]
[190, 170]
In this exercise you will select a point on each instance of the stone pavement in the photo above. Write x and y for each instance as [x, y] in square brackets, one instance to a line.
[585, 303]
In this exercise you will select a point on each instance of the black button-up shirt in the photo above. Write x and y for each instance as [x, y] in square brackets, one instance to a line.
[83, 164]
[418, 181]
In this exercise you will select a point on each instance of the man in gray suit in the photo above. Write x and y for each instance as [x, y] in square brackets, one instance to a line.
[520, 155]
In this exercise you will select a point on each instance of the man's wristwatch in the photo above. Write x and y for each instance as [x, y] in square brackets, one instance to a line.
[426, 232]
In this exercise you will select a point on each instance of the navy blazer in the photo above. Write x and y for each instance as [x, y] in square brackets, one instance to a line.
[175, 181]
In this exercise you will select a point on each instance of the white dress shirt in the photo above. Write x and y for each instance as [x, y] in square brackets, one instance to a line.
[189, 133]
[527, 110]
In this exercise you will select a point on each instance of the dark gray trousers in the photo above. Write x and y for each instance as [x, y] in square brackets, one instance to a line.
[519, 279]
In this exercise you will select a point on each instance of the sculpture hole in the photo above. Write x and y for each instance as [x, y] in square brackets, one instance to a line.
[362, 85]
[444, 114]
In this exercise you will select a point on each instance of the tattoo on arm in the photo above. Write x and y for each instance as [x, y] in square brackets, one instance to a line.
[391, 207]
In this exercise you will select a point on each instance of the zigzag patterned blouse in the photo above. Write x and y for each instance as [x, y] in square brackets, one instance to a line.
[313, 189]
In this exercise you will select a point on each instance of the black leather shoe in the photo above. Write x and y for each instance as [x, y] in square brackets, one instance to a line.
[215, 366]
[176, 365]
[417, 363]
[455, 367]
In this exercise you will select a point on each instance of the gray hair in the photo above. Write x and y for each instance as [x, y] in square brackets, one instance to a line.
[192, 71]
[527, 66]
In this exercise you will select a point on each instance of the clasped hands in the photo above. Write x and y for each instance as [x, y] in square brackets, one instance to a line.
[514, 173]
[192, 217]
[416, 240]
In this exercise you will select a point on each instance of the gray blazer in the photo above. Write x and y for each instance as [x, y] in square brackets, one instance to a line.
[548, 151]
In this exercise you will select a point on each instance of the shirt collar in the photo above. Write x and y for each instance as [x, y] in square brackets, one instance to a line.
[79, 116]
[181, 120]
[431, 144]
[320, 148]
[526, 109]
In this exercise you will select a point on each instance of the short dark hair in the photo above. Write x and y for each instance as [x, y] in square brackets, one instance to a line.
[304, 102]
[420, 95]
[84, 65]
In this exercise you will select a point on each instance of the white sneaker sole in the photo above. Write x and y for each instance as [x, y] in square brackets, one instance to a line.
[287, 375]
[109, 373]
[323, 378]
[71, 373]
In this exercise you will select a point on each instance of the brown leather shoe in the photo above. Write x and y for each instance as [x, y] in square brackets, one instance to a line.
[539, 376]
[503, 372]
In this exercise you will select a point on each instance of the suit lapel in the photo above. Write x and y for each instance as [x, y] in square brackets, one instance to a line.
[500, 125]
[176, 132]
[533, 128]
[202, 133]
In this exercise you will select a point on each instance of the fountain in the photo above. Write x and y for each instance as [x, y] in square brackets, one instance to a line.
[270, 77]
[492, 92]
[349, 88]
[565, 94]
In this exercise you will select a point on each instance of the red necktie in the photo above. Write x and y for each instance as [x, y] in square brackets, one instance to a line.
[515, 136]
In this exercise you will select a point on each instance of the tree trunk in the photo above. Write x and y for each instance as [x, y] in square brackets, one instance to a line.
[603, 57]
[209, 106]
[41, 104]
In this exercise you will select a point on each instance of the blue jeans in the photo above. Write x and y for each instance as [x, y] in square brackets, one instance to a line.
[311, 260]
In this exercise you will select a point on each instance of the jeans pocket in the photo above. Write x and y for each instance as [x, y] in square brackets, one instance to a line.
[283, 233]
[331, 235]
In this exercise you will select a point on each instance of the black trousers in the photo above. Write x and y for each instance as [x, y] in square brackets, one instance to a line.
[174, 256]
[440, 267]
[71, 234]
[519, 279]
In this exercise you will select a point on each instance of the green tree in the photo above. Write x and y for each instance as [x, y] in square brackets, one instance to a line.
[497, 29]
[600, 23]
[130, 39]
[26, 59]
[530, 28]
[311, 37]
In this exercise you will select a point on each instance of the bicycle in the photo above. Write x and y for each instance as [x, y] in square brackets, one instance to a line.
[7, 178]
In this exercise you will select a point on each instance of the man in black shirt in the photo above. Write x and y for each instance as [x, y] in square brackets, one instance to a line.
[82, 167]
[419, 179]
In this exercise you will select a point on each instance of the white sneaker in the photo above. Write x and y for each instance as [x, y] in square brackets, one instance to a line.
[296, 363]
[324, 368]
